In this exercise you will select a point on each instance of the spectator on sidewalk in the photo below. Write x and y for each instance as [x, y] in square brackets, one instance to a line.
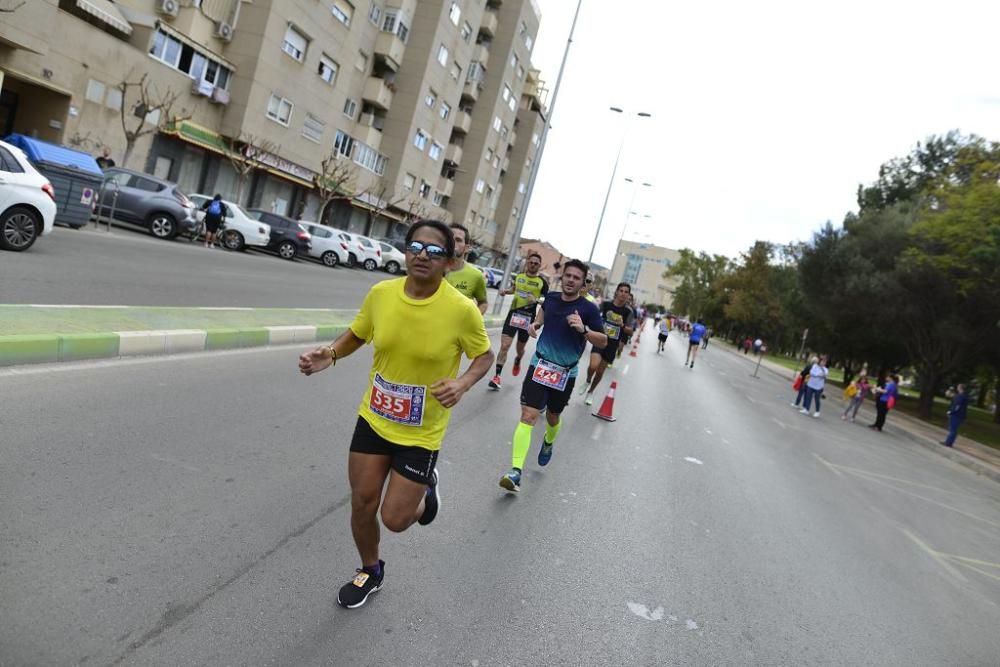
[104, 161]
[815, 385]
[957, 412]
[803, 376]
[886, 401]
[855, 394]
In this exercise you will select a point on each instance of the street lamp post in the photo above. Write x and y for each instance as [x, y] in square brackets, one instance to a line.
[614, 171]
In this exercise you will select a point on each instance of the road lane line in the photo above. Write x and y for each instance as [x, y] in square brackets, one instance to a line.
[859, 471]
[929, 500]
[691, 459]
[180, 464]
[625, 370]
[934, 554]
[829, 465]
[780, 423]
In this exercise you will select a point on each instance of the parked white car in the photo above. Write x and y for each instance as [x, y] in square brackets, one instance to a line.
[329, 245]
[27, 201]
[393, 261]
[372, 253]
[240, 229]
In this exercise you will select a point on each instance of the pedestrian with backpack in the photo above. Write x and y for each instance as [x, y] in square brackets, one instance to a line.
[215, 213]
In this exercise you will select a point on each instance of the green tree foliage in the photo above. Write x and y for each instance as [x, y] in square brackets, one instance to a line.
[700, 291]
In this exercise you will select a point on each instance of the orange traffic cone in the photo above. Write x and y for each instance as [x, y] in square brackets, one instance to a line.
[607, 407]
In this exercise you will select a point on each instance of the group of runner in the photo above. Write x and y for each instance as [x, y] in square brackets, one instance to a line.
[420, 325]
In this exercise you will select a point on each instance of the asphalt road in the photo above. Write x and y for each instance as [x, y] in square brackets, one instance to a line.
[194, 511]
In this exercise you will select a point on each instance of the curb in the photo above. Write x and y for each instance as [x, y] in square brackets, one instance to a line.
[53, 348]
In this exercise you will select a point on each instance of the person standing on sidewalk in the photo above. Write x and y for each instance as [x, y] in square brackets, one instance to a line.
[886, 401]
[815, 384]
[570, 322]
[803, 376]
[528, 290]
[419, 325]
[855, 394]
[463, 276]
[957, 412]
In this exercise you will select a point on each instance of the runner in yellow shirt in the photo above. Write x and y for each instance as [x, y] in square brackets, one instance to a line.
[420, 325]
[463, 276]
[529, 289]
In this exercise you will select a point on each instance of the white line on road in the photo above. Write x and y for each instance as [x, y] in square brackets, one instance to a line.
[625, 370]
[180, 464]
[779, 422]
[751, 398]
[598, 430]
[829, 465]
[690, 459]
[708, 431]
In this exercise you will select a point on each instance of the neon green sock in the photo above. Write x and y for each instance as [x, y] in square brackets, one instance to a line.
[521, 444]
[552, 432]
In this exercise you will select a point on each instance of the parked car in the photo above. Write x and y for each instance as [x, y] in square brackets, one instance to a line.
[147, 201]
[493, 276]
[393, 261]
[329, 245]
[364, 251]
[398, 244]
[289, 237]
[240, 229]
[27, 201]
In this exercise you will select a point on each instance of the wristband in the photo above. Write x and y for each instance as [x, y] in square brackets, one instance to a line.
[332, 352]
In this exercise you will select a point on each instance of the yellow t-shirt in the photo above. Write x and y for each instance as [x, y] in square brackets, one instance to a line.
[417, 342]
[469, 281]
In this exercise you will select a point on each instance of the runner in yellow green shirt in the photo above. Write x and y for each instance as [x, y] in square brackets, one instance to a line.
[463, 276]
[419, 325]
[529, 289]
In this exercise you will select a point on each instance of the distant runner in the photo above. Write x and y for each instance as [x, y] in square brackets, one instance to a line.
[618, 320]
[528, 290]
[694, 340]
[664, 330]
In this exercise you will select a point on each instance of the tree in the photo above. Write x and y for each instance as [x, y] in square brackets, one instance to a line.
[151, 111]
[700, 292]
[245, 155]
[753, 300]
[335, 180]
[378, 199]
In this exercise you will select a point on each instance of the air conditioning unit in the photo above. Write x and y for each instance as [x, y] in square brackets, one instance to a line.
[168, 7]
[220, 96]
[201, 87]
[224, 31]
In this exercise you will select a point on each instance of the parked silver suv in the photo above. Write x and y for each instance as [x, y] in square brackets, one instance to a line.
[147, 201]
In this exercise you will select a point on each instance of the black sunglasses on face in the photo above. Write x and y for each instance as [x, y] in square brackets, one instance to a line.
[433, 251]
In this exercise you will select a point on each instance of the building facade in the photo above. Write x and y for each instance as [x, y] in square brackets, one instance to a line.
[642, 265]
[349, 111]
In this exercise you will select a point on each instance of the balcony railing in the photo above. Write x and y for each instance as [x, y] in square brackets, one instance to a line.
[377, 92]
[489, 24]
[463, 122]
[389, 47]
[453, 154]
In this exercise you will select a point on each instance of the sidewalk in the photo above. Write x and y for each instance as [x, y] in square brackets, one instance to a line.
[46, 334]
[974, 455]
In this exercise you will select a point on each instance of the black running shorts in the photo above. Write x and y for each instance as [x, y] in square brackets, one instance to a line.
[212, 224]
[510, 331]
[608, 353]
[693, 343]
[662, 337]
[413, 463]
[538, 396]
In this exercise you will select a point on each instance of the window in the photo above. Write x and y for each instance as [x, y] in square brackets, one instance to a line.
[480, 186]
[196, 64]
[9, 163]
[456, 71]
[514, 60]
[343, 144]
[455, 13]
[327, 69]
[512, 103]
[472, 216]
[520, 72]
[496, 161]
[443, 55]
[409, 180]
[295, 43]
[534, 139]
[445, 111]
[279, 109]
[521, 187]
[114, 99]
[496, 123]
[513, 213]
[342, 11]
[430, 98]
[527, 164]
[523, 29]
[506, 92]
[425, 188]
[362, 62]
[312, 128]
[420, 139]
[466, 32]
[436, 150]
[350, 108]
[489, 193]
[503, 132]
[397, 23]
[528, 42]
[95, 91]
[374, 13]
[482, 221]
[438, 198]
[369, 158]
[489, 155]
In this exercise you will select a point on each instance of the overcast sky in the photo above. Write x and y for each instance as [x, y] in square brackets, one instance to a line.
[766, 115]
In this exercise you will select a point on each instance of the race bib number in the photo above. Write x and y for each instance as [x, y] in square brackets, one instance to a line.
[520, 321]
[612, 330]
[550, 375]
[399, 403]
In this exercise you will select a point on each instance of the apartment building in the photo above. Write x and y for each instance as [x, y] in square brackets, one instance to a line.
[642, 265]
[267, 98]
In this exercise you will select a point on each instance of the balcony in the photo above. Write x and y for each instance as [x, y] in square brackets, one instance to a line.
[369, 130]
[389, 48]
[463, 122]
[481, 53]
[445, 186]
[489, 25]
[471, 89]
[453, 154]
[377, 93]
[505, 165]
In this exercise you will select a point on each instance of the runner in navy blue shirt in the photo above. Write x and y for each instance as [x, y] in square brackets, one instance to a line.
[694, 341]
[569, 322]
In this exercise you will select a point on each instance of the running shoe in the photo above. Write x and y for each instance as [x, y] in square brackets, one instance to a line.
[545, 454]
[803, 411]
[692, 364]
[584, 388]
[355, 593]
[432, 501]
[516, 370]
[511, 481]
[590, 400]
[495, 382]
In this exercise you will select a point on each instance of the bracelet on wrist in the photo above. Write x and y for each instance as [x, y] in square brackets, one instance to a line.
[332, 353]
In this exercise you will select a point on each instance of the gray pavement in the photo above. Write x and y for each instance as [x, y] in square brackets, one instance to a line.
[194, 510]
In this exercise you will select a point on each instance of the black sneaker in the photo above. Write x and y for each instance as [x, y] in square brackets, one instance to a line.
[432, 501]
[355, 593]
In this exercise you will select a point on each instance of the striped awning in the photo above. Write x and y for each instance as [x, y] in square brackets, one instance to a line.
[106, 11]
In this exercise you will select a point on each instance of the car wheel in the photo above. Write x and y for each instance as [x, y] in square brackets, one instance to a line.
[330, 258]
[352, 259]
[370, 264]
[162, 225]
[233, 240]
[287, 250]
[19, 229]
[392, 267]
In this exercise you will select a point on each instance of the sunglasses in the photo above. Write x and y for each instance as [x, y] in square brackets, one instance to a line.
[433, 251]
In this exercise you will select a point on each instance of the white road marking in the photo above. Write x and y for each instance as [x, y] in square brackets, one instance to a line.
[693, 460]
[634, 496]
[750, 398]
[779, 422]
[708, 431]
[598, 430]
[642, 611]
[625, 370]
[180, 464]
[725, 442]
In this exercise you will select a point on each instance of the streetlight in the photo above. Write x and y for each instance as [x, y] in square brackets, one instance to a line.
[614, 171]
